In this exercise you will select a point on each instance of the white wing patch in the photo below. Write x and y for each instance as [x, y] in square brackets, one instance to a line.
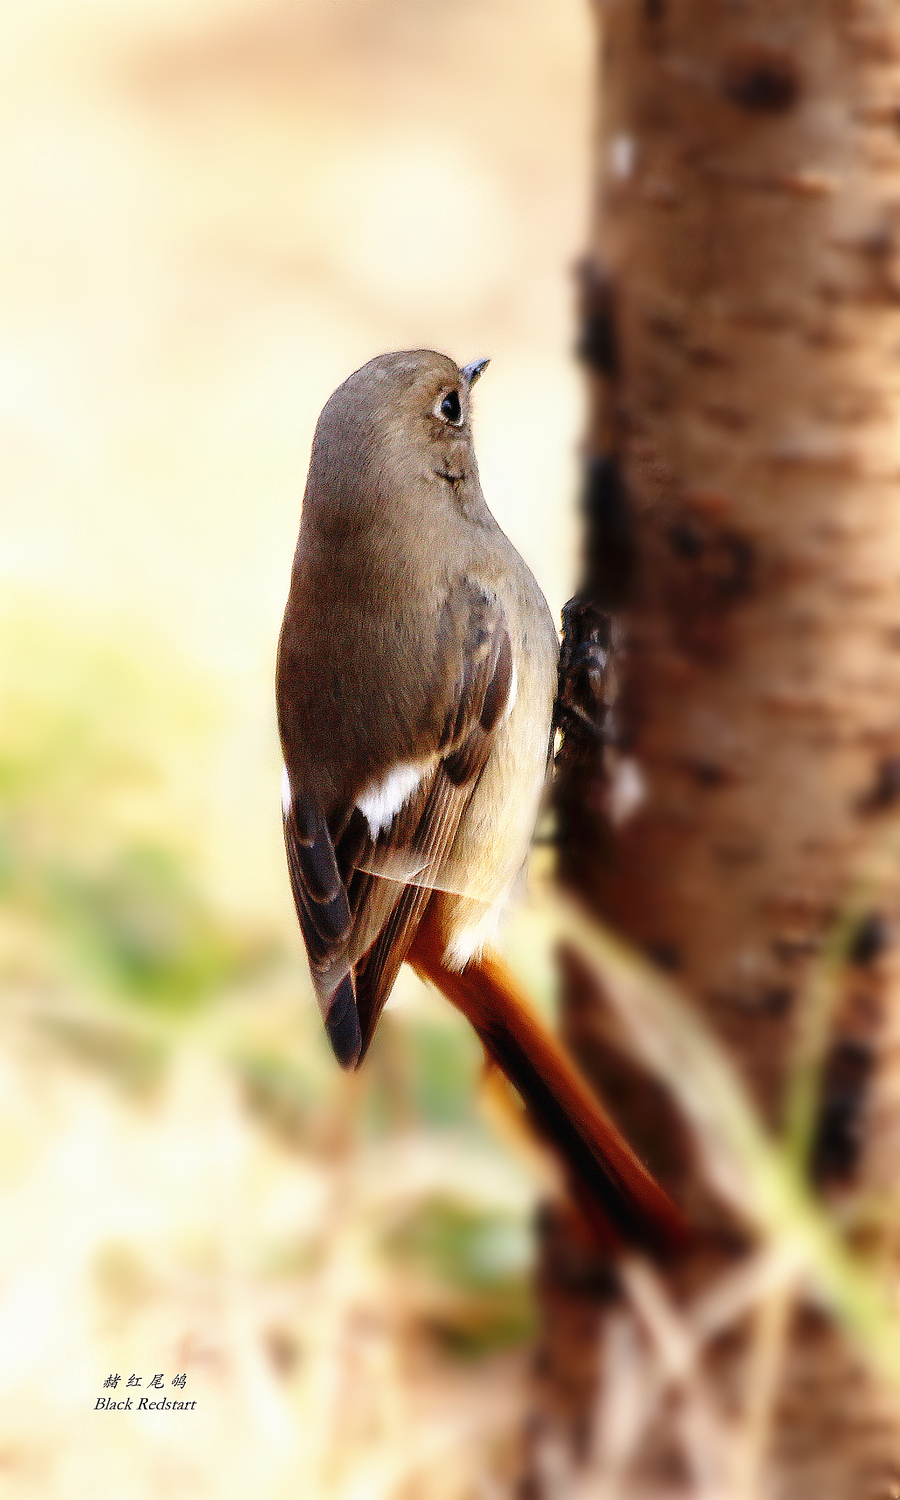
[381, 802]
[286, 793]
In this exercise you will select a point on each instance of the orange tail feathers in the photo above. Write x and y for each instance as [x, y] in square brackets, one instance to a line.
[607, 1175]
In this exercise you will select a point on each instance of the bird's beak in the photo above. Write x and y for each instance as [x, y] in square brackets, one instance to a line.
[470, 373]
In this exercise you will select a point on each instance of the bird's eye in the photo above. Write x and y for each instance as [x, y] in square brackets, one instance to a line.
[450, 409]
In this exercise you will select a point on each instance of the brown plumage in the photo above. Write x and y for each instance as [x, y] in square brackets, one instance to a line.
[415, 687]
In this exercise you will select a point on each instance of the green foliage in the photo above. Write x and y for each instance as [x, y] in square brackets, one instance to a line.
[425, 1064]
[482, 1259]
[469, 1248]
[143, 931]
[92, 860]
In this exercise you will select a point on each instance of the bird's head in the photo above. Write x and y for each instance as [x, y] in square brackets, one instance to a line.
[396, 424]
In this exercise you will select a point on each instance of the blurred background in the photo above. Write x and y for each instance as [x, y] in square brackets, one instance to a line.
[214, 210]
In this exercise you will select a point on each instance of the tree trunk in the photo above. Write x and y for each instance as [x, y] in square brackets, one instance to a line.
[741, 333]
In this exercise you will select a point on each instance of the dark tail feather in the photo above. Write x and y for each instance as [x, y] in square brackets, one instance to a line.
[342, 1024]
[633, 1207]
[377, 970]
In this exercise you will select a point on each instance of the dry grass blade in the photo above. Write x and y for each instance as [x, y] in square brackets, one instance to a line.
[817, 1007]
[758, 1177]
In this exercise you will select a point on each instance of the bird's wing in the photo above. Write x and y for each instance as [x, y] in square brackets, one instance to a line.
[360, 894]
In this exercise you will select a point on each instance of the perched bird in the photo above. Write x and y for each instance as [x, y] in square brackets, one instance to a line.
[416, 677]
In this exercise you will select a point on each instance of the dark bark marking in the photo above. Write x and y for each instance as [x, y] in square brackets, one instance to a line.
[762, 79]
[714, 570]
[609, 536]
[776, 1001]
[597, 342]
[872, 937]
[839, 1135]
[686, 539]
[666, 955]
[706, 773]
[885, 790]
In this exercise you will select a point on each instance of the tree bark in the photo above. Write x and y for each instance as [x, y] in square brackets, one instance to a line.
[741, 333]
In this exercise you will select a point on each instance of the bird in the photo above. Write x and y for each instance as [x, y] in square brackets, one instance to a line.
[415, 685]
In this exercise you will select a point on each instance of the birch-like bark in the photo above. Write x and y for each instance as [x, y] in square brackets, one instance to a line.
[742, 338]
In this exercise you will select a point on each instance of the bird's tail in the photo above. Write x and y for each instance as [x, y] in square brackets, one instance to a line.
[605, 1172]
